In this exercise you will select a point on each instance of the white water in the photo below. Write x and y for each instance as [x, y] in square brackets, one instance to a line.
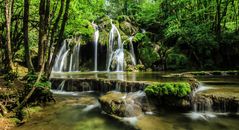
[91, 107]
[63, 63]
[132, 50]
[76, 59]
[201, 111]
[96, 38]
[56, 66]
[68, 58]
[114, 53]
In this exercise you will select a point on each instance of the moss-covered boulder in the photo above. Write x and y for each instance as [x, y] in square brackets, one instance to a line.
[122, 105]
[172, 94]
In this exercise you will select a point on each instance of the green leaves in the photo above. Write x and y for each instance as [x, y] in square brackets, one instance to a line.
[46, 84]
[31, 78]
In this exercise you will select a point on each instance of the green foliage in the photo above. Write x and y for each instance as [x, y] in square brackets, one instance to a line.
[178, 89]
[138, 37]
[31, 78]
[175, 61]
[148, 55]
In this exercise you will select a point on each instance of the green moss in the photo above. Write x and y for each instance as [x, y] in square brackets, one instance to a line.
[179, 89]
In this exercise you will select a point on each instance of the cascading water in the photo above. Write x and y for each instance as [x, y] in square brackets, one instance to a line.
[75, 60]
[96, 38]
[63, 49]
[202, 108]
[132, 50]
[115, 54]
[64, 60]
[63, 63]
[67, 59]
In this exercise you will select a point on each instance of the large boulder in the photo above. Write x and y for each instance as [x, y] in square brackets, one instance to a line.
[122, 104]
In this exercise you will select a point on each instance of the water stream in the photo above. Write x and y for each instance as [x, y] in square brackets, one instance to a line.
[96, 38]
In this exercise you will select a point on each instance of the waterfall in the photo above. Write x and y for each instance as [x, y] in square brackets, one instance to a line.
[96, 38]
[115, 54]
[62, 62]
[61, 86]
[56, 66]
[132, 50]
[75, 60]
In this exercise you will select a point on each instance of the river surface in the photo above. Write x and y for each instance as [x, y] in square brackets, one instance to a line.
[81, 110]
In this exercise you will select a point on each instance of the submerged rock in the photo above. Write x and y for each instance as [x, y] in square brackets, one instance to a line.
[121, 104]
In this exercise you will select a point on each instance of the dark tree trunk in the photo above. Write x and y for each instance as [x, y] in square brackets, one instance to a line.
[43, 28]
[8, 15]
[41, 34]
[26, 40]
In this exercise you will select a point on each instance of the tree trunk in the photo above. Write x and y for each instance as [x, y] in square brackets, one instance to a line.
[26, 40]
[44, 12]
[23, 103]
[60, 36]
[41, 34]
[8, 15]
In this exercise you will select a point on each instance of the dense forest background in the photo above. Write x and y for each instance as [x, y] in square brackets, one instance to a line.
[168, 34]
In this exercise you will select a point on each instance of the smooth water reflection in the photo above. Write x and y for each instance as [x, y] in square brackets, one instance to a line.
[82, 112]
[74, 113]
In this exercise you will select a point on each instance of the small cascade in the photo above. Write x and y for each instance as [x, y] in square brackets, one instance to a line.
[132, 50]
[113, 52]
[67, 59]
[63, 62]
[61, 86]
[75, 60]
[96, 38]
[202, 107]
[59, 56]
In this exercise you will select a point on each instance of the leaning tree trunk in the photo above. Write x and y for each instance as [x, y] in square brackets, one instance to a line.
[26, 39]
[60, 36]
[53, 34]
[8, 15]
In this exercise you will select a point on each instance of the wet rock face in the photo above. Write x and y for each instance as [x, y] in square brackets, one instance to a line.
[123, 105]
[101, 85]
[216, 102]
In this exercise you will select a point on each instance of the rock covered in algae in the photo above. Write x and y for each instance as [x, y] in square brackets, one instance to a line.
[121, 104]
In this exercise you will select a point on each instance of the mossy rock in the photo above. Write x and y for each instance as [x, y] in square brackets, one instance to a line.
[117, 104]
[178, 89]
